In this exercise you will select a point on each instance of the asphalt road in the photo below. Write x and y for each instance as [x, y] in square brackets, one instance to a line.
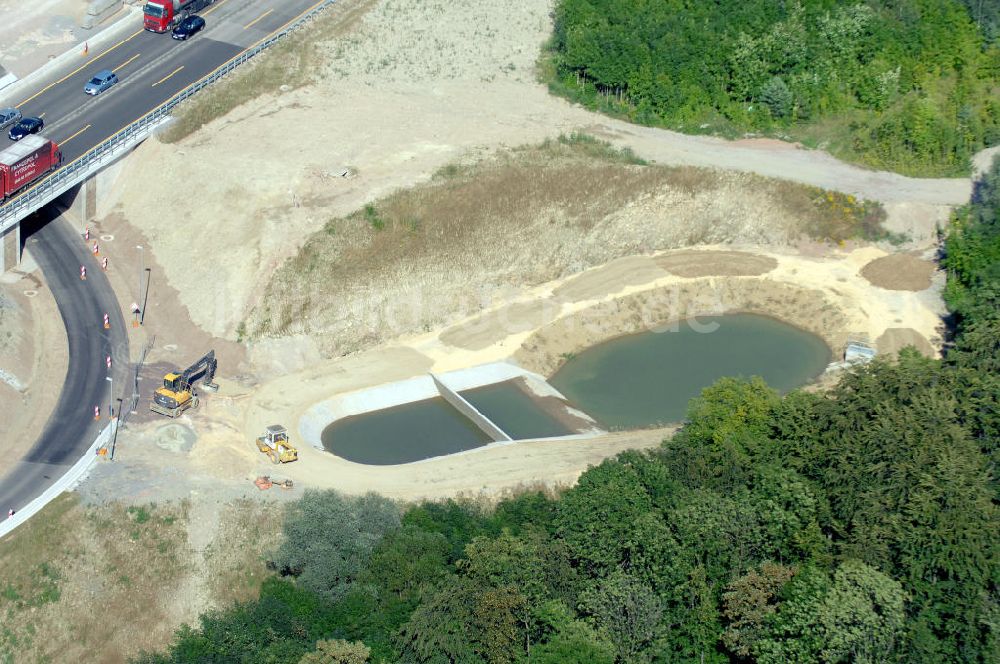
[151, 68]
[71, 429]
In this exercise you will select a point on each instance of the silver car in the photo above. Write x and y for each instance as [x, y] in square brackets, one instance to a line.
[9, 116]
[102, 80]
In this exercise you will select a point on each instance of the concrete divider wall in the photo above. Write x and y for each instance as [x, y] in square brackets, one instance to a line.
[468, 410]
[64, 483]
[131, 21]
[99, 11]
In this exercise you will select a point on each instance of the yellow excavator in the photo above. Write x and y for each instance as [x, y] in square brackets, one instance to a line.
[274, 443]
[177, 393]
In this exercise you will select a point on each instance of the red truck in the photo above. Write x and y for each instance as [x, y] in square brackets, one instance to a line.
[163, 15]
[26, 161]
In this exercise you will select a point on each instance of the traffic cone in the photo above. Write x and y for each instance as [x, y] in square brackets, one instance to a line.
[83, 273]
[97, 250]
[104, 263]
[97, 412]
[86, 47]
[107, 322]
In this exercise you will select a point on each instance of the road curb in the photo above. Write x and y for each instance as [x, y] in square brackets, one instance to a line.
[132, 20]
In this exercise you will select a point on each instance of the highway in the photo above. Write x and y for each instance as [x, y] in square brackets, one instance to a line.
[151, 68]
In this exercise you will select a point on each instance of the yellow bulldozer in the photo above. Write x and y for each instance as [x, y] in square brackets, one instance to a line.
[274, 443]
[178, 394]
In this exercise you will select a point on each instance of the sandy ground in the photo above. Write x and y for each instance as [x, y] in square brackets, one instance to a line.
[33, 359]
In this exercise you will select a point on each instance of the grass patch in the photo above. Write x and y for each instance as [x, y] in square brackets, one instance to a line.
[598, 149]
[290, 64]
[248, 531]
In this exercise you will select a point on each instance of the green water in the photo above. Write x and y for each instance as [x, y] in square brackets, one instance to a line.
[648, 378]
[402, 434]
[507, 406]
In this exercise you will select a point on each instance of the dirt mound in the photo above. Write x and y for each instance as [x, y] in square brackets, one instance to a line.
[895, 339]
[899, 272]
[716, 264]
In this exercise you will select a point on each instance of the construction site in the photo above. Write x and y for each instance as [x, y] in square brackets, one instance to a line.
[426, 303]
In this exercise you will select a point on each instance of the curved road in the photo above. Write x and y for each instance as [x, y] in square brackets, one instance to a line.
[151, 68]
[71, 429]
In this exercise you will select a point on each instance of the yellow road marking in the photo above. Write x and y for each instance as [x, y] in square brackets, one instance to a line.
[127, 61]
[79, 69]
[214, 7]
[168, 76]
[251, 23]
[67, 140]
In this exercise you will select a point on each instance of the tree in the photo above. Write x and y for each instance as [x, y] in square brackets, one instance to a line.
[596, 516]
[405, 561]
[862, 618]
[777, 97]
[569, 640]
[328, 538]
[748, 602]
[727, 429]
[624, 609]
[337, 651]
[859, 617]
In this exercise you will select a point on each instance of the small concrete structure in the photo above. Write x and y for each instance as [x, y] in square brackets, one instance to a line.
[99, 11]
[858, 352]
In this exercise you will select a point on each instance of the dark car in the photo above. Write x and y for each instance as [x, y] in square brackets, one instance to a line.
[188, 27]
[24, 127]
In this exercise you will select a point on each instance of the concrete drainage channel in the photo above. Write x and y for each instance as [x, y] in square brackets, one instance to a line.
[437, 415]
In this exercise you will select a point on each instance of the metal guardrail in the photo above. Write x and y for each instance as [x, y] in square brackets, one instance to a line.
[77, 170]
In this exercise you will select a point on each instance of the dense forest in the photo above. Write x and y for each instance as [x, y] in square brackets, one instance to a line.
[856, 525]
[906, 85]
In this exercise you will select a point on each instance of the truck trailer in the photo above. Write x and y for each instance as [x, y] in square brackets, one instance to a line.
[163, 15]
[26, 161]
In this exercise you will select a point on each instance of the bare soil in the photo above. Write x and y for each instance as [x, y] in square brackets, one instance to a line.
[716, 263]
[33, 360]
[900, 272]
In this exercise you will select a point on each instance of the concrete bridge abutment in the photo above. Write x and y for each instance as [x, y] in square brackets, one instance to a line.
[10, 248]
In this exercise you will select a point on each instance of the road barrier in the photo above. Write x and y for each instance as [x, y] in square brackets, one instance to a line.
[127, 138]
[64, 483]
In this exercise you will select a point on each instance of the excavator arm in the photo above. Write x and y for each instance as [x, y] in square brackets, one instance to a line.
[203, 368]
